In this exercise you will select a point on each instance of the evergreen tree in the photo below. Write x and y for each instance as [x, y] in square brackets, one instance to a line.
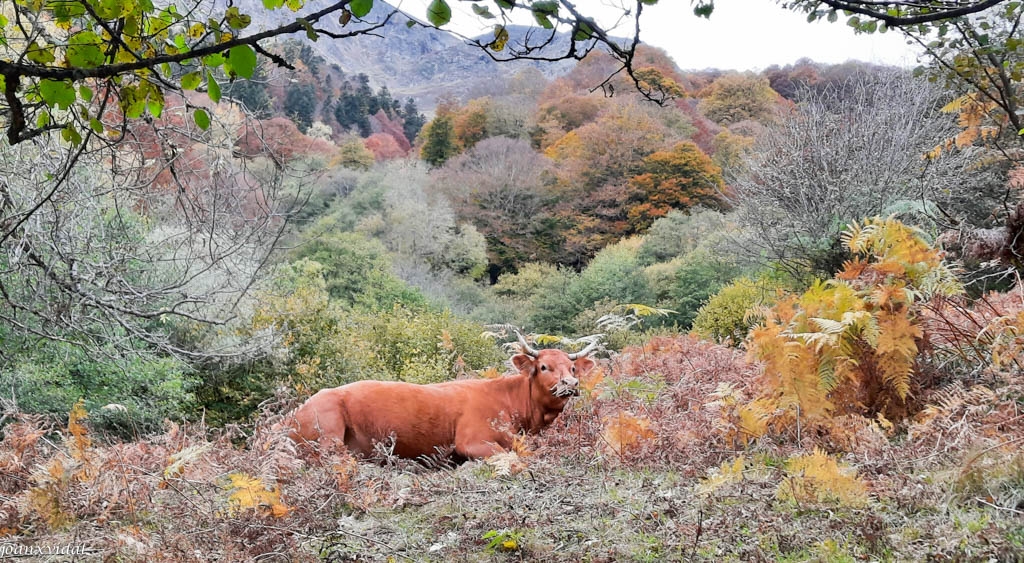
[365, 94]
[300, 105]
[310, 59]
[440, 141]
[348, 110]
[414, 120]
[251, 93]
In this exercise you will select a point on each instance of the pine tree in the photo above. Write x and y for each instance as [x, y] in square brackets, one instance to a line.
[251, 93]
[440, 141]
[414, 120]
[300, 105]
[384, 100]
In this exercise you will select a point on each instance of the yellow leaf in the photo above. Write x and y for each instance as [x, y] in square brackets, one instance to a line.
[819, 477]
[624, 431]
[79, 433]
[246, 492]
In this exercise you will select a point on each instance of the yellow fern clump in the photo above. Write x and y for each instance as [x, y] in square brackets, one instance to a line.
[246, 492]
[848, 345]
[730, 472]
[819, 477]
[625, 431]
[973, 114]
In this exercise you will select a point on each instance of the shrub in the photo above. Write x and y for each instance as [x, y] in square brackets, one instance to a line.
[679, 233]
[357, 270]
[531, 279]
[322, 344]
[127, 396]
[614, 274]
[849, 345]
[699, 276]
[726, 316]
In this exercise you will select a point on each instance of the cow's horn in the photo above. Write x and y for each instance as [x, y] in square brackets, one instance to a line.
[527, 349]
[590, 348]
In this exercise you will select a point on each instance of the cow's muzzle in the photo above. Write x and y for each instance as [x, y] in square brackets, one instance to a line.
[568, 387]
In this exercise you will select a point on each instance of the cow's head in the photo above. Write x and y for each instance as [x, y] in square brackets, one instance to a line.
[555, 372]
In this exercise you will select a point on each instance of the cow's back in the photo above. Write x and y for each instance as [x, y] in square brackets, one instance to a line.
[418, 417]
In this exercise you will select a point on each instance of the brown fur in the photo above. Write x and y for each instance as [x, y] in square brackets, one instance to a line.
[477, 418]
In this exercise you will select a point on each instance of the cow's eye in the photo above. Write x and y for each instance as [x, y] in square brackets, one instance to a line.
[574, 369]
[543, 368]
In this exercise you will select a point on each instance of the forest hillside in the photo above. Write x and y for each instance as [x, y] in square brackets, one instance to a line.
[805, 282]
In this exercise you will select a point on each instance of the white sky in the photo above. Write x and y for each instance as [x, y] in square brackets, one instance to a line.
[741, 34]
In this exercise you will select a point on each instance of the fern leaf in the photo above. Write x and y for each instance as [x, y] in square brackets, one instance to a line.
[819, 477]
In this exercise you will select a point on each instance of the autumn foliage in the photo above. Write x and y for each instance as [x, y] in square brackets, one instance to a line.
[281, 139]
[849, 345]
[680, 178]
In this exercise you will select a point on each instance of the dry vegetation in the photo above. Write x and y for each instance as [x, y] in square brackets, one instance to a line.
[640, 467]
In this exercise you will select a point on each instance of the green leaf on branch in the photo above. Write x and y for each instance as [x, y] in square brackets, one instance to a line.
[85, 93]
[84, 50]
[310, 32]
[360, 7]
[236, 19]
[39, 54]
[549, 7]
[133, 101]
[583, 32]
[215, 60]
[96, 125]
[191, 81]
[212, 88]
[500, 38]
[70, 135]
[155, 104]
[201, 118]
[439, 13]
[43, 120]
[703, 9]
[57, 93]
[241, 61]
[482, 11]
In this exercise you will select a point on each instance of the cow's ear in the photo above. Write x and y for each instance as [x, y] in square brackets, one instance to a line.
[523, 363]
[583, 365]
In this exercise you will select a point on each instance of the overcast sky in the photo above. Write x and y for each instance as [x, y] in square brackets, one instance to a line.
[741, 34]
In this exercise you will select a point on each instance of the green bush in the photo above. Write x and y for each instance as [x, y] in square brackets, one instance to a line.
[699, 275]
[357, 270]
[614, 274]
[679, 233]
[323, 344]
[725, 317]
[124, 396]
[532, 279]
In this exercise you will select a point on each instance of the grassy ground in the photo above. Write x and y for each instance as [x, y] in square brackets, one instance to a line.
[640, 468]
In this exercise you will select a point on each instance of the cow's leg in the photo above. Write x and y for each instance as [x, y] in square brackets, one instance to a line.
[478, 445]
[478, 450]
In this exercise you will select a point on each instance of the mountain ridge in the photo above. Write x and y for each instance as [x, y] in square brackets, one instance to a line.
[414, 61]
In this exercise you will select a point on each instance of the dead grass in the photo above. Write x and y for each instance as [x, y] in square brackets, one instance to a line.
[626, 474]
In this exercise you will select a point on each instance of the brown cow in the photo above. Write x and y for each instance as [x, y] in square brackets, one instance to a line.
[475, 417]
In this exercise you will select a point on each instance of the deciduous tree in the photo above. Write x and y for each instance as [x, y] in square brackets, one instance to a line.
[680, 178]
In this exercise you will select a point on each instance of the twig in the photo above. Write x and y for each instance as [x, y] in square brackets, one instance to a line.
[1006, 508]
[985, 451]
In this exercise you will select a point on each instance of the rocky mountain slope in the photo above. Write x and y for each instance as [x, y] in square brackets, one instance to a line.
[416, 61]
